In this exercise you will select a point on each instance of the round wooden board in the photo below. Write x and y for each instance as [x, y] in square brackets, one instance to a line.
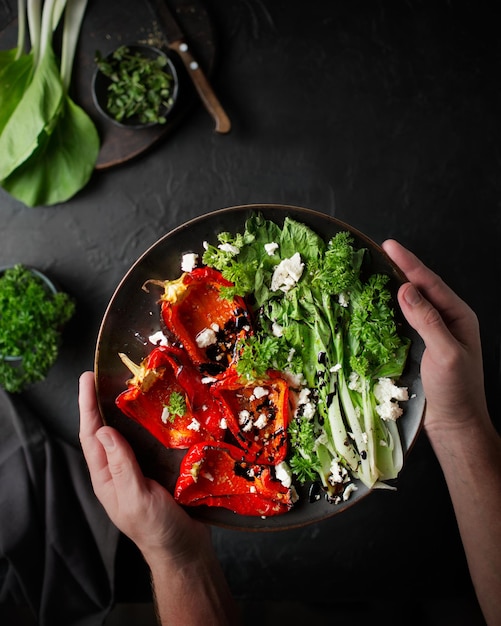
[108, 25]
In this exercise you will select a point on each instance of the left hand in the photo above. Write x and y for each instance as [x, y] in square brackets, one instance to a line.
[140, 507]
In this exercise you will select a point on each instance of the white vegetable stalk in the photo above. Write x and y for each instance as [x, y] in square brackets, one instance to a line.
[47, 26]
[73, 18]
[34, 23]
[21, 28]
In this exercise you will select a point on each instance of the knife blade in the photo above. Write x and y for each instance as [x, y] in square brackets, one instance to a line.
[177, 42]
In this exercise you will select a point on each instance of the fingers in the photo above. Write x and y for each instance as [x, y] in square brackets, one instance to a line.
[430, 306]
[429, 284]
[425, 319]
[125, 473]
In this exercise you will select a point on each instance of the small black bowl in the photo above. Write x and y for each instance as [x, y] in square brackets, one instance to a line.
[101, 82]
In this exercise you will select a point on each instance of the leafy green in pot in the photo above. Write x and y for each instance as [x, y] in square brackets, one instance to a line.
[31, 319]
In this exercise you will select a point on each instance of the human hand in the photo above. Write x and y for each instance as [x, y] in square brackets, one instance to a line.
[451, 367]
[140, 507]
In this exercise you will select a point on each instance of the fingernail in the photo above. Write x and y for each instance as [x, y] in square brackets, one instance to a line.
[106, 440]
[412, 295]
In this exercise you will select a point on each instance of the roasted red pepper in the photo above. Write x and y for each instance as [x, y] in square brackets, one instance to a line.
[163, 376]
[218, 475]
[257, 414]
[206, 324]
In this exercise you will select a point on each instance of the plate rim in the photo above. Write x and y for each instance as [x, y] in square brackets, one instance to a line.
[210, 515]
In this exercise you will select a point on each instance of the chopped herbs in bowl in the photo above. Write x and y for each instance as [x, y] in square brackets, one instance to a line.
[135, 85]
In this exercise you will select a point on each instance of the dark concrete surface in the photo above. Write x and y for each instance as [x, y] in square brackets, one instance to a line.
[383, 114]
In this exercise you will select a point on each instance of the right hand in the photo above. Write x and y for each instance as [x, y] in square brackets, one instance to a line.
[451, 367]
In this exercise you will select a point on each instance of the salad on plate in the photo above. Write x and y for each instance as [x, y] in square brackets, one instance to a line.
[276, 365]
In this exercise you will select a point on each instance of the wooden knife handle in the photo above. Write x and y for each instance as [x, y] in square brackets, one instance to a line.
[209, 98]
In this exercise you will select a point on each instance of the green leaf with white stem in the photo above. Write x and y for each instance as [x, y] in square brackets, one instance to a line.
[73, 17]
[39, 105]
[52, 174]
[49, 144]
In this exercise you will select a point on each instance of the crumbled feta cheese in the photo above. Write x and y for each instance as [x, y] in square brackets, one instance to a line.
[252, 489]
[223, 423]
[165, 415]
[349, 490]
[206, 338]
[243, 416]
[158, 339]
[305, 407]
[335, 368]
[244, 419]
[308, 410]
[271, 247]
[227, 247]
[189, 261]
[194, 425]
[338, 473]
[283, 474]
[260, 392]
[385, 389]
[207, 380]
[261, 421]
[389, 411]
[287, 273]
[388, 395]
[304, 395]
[343, 300]
[354, 382]
[277, 330]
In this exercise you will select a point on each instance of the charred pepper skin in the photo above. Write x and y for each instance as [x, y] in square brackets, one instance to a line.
[258, 422]
[164, 371]
[217, 474]
[226, 465]
[192, 305]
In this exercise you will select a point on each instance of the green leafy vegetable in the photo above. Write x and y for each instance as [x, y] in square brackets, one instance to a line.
[333, 327]
[31, 319]
[140, 87]
[176, 406]
[49, 145]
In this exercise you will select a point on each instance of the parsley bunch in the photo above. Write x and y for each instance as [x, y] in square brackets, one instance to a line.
[140, 87]
[31, 318]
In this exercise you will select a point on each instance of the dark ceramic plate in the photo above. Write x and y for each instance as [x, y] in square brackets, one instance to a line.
[133, 315]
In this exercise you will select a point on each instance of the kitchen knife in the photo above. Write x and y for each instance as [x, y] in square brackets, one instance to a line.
[176, 41]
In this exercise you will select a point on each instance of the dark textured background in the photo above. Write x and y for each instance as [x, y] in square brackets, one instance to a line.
[383, 114]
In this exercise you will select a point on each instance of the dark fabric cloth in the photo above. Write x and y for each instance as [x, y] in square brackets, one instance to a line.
[57, 545]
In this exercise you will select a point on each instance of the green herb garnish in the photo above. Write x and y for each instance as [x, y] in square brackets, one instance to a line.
[176, 406]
